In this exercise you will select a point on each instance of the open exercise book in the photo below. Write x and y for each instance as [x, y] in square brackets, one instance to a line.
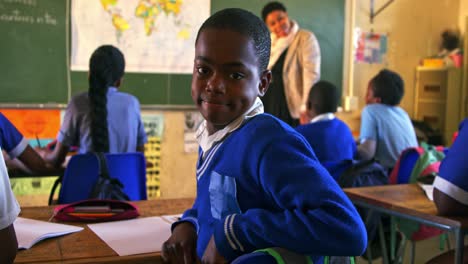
[29, 231]
[135, 236]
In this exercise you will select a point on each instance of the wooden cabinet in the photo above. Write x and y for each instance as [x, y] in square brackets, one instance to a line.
[439, 99]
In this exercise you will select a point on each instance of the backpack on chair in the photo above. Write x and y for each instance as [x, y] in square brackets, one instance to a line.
[417, 162]
[107, 187]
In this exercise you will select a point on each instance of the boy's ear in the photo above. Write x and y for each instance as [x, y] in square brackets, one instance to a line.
[265, 79]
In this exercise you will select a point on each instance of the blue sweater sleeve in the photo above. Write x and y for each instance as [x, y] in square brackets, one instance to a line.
[11, 140]
[454, 168]
[191, 216]
[313, 216]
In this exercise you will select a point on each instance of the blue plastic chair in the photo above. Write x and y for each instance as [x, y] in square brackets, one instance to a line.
[82, 173]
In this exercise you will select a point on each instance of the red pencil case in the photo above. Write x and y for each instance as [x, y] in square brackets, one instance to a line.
[95, 210]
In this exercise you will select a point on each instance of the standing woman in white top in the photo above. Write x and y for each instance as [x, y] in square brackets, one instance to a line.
[294, 62]
[9, 210]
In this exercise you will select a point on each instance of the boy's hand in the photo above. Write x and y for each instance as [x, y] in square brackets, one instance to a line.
[181, 246]
[211, 255]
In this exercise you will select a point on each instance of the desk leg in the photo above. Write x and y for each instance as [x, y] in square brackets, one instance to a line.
[369, 247]
[383, 246]
[392, 237]
[459, 246]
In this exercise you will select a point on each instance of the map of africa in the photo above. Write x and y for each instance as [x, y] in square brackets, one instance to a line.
[154, 35]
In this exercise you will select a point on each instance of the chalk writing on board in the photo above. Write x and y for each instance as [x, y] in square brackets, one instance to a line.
[22, 2]
[17, 17]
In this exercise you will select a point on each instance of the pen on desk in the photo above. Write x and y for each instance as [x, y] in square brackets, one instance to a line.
[38, 142]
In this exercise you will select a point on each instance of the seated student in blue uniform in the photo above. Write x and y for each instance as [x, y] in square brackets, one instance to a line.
[259, 184]
[451, 185]
[386, 129]
[9, 210]
[103, 119]
[13, 142]
[330, 138]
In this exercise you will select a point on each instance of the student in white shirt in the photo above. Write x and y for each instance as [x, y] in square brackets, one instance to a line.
[9, 210]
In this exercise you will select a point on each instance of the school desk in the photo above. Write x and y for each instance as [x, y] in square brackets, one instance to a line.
[408, 201]
[87, 247]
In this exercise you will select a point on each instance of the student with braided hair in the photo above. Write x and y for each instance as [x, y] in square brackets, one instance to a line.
[102, 119]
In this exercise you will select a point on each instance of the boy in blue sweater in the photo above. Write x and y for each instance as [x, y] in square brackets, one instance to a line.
[451, 186]
[259, 184]
[330, 138]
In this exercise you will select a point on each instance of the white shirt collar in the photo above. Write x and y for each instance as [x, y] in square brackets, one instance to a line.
[323, 117]
[207, 141]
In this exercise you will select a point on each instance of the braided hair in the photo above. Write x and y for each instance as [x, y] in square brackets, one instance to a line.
[106, 67]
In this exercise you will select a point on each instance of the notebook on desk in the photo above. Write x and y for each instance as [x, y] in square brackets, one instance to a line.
[136, 236]
[29, 231]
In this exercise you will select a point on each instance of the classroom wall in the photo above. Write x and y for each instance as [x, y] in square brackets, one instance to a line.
[413, 33]
[177, 167]
[463, 15]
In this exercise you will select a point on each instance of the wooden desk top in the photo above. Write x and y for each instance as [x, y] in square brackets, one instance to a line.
[87, 247]
[407, 199]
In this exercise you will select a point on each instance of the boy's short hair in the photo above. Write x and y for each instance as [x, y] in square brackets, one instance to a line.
[270, 7]
[323, 98]
[247, 24]
[388, 86]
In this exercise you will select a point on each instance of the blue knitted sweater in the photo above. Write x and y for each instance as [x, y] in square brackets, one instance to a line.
[263, 187]
[331, 140]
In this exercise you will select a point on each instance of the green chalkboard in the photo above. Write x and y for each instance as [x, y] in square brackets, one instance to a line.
[34, 63]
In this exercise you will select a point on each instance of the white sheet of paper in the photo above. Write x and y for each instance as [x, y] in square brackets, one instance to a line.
[136, 236]
[29, 231]
[428, 189]
[171, 218]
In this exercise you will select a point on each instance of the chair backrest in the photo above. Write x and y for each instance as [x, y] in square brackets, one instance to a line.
[82, 173]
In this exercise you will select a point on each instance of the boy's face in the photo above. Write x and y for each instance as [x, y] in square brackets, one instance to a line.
[226, 78]
[370, 98]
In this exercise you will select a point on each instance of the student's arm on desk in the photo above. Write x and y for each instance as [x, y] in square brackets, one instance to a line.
[446, 205]
[366, 150]
[57, 156]
[29, 161]
[33, 161]
[8, 244]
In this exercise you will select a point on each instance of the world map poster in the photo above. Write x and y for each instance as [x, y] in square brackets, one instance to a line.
[154, 35]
